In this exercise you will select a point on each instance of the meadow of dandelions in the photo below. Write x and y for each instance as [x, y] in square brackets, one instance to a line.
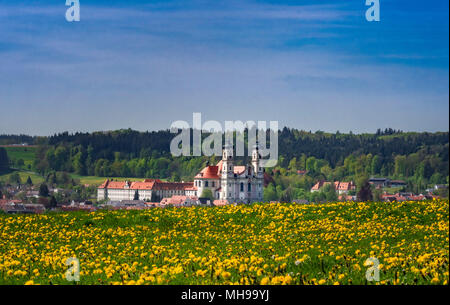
[323, 244]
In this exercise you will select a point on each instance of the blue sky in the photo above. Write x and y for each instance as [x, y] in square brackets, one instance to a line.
[313, 65]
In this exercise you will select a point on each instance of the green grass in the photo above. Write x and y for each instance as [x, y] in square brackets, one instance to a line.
[243, 244]
[36, 178]
[392, 190]
[94, 180]
[27, 154]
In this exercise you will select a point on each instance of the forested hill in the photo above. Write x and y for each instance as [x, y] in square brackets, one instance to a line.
[336, 147]
[292, 142]
[129, 153]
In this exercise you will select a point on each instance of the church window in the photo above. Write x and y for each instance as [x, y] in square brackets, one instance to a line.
[206, 183]
[242, 186]
[249, 187]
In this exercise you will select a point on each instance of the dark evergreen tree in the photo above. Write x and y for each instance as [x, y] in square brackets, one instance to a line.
[365, 193]
[4, 161]
[53, 203]
[43, 190]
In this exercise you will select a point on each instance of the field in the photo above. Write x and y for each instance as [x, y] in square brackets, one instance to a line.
[94, 180]
[26, 153]
[325, 244]
[36, 178]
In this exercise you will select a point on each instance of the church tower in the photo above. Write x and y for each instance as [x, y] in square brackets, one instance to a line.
[227, 173]
[258, 180]
[256, 162]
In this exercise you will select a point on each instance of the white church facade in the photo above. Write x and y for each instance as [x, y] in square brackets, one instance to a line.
[230, 182]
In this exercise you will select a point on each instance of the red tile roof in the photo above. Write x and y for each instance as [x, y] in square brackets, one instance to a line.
[194, 188]
[177, 200]
[6, 201]
[147, 184]
[346, 186]
[342, 186]
[318, 185]
[214, 171]
[220, 202]
[209, 172]
[143, 185]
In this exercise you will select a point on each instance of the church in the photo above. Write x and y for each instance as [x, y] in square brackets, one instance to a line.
[230, 182]
[227, 182]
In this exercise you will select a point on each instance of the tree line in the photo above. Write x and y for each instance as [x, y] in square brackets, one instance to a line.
[418, 158]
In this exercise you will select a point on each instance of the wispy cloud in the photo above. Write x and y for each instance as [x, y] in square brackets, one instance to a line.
[312, 66]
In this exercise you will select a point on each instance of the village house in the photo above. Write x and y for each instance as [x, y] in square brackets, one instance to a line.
[340, 187]
[380, 182]
[12, 206]
[402, 196]
[179, 201]
[386, 182]
[397, 183]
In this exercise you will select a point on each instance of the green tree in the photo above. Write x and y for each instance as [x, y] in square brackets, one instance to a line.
[293, 164]
[78, 163]
[330, 192]
[175, 177]
[43, 190]
[377, 195]
[311, 164]
[270, 194]
[136, 195]
[400, 166]
[53, 203]
[437, 178]
[286, 195]
[14, 178]
[365, 192]
[375, 167]
[20, 163]
[207, 194]
[4, 161]
[29, 181]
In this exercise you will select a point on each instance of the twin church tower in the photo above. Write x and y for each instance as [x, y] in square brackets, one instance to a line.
[230, 182]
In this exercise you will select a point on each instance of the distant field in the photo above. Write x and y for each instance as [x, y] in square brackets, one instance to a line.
[392, 190]
[91, 180]
[23, 176]
[94, 180]
[26, 153]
